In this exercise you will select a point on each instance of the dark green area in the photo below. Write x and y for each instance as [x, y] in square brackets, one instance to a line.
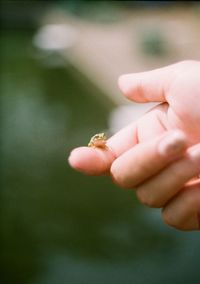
[58, 226]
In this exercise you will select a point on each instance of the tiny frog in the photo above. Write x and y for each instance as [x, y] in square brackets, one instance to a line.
[98, 140]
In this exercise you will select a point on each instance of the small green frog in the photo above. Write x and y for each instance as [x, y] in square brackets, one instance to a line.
[98, 140]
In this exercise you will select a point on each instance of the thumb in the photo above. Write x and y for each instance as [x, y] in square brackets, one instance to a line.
[150, 86]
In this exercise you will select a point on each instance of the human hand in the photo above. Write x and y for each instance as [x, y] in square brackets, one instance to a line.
[134, 157]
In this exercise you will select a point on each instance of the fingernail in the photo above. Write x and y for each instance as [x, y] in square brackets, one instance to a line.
[173, 145]
[72, 157]
[124, 83]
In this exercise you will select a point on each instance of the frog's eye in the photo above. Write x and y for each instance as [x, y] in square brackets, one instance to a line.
[97, 136]
[98, 140]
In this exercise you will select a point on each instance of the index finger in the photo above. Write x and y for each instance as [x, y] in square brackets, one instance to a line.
[97, 161]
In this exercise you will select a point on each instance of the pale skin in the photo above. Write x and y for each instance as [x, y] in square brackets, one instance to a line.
[158, 155]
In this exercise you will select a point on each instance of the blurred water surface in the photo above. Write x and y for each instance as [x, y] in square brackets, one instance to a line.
[58, 226]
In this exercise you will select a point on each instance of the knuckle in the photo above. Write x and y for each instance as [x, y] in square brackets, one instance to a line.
[197, 166]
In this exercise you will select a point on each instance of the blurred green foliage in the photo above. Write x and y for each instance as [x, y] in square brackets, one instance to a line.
[153, 42]
[56, 224]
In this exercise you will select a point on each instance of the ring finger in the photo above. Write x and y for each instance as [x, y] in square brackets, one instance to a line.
[158, 190]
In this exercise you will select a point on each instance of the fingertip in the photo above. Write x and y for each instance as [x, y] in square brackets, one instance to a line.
[83, 159]
[74, 158]
[124, 83]
[90, 161]
[134, 87]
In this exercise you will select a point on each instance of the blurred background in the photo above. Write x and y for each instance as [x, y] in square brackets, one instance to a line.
[60, 61]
